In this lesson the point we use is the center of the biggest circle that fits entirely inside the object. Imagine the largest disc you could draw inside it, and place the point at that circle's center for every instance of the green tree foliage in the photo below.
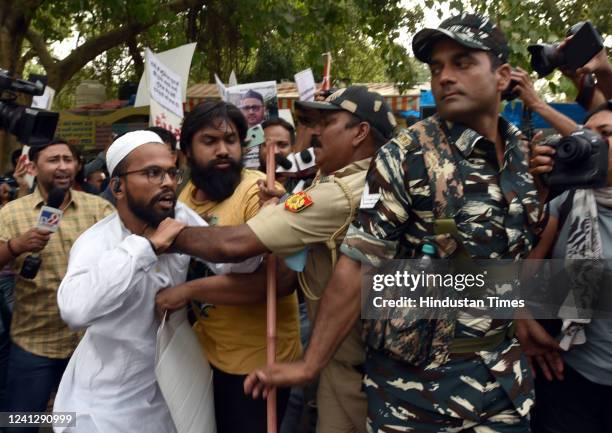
(259, 39)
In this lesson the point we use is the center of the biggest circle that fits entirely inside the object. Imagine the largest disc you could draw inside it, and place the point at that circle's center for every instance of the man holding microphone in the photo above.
(41, 342)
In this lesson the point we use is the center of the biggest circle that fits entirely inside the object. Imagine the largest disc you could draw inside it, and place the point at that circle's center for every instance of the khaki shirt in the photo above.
(36, 325)
(284, 233)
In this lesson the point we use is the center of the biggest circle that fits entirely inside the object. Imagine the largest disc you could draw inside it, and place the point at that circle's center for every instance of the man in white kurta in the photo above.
(109, 289)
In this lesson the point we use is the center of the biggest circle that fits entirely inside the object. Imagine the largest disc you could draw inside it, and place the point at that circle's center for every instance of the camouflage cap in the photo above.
(368, 106)
(469, 30)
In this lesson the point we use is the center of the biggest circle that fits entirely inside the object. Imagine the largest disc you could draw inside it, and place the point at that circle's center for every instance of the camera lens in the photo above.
(573, 149)
(545, 58)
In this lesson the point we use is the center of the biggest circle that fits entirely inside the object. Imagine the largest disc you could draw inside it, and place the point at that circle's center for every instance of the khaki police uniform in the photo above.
(318, 220)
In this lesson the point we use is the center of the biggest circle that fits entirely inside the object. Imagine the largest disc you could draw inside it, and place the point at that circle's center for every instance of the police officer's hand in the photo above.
(525, 89)
(164, 234)
(266, 194)
(32, 241)
(540, 346)
(173, 298)
(261, 381)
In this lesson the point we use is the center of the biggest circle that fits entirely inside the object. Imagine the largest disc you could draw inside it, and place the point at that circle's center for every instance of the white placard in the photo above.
(164, 85)
(306, 85)
(220, 87)
(285, 113)
(179, 59)
(45, 100)
(233, 81)
(159, 116)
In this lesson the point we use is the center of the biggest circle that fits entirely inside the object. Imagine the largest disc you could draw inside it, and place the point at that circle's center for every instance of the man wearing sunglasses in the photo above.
(114, 272)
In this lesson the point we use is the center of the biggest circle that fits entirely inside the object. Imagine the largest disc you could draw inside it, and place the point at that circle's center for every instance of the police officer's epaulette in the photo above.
(405, 140)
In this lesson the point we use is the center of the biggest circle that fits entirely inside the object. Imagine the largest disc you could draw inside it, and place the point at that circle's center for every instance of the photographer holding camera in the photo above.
(525, 92)
(580, 226)
(601, 67)
(582, 58)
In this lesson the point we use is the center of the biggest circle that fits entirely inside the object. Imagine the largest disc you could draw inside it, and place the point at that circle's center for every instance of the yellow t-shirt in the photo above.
(234, 336)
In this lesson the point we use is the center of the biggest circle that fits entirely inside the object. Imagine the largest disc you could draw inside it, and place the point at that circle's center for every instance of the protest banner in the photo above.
(305, 83)
(165, 94)
(257, 101)
(179, 59)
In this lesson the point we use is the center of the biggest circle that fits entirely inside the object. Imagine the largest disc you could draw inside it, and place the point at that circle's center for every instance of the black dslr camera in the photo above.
(12, 192)
(31, 126)
(581, 161)
(586, 42)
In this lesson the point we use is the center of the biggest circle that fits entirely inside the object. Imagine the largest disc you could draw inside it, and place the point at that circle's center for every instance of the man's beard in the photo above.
(147, 212)
(216, 184)
(48, 186)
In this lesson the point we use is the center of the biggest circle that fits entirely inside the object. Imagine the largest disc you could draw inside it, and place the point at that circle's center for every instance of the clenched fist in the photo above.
(165, 234)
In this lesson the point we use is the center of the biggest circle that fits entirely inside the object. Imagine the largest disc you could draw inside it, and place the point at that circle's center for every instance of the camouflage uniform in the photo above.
(317, 219)
(412, 380)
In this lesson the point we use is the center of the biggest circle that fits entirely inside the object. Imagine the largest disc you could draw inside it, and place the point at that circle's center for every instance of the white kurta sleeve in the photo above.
(97, 283)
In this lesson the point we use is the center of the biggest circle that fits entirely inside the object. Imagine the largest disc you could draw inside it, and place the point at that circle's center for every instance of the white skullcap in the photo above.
(125, 144)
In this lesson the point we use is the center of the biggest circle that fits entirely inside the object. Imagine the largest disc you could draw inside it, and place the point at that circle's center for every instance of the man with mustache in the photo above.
(233, 332)
(347, 128)
(456, 183)
(281, 133)
(115, 270)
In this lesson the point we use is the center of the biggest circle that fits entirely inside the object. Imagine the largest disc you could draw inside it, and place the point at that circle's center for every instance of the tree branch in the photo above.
(23, 60)
(59, 72)
(39, 45)
(136, 56)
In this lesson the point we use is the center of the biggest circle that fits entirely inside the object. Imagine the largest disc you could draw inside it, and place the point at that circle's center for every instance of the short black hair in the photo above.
(606, 106)
(496, 62)
(205, 114)
(252, 94)
(35, 150)
(166, 136)
(377, 137)
(279, 121)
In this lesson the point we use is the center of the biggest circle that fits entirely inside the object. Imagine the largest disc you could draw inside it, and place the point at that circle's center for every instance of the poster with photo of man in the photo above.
(258, 102)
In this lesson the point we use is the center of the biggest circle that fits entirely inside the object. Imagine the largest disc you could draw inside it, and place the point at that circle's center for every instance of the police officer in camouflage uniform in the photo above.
(465, 169)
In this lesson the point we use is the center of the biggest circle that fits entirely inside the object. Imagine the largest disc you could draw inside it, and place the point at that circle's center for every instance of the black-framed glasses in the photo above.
(157, 174)
(251, 107)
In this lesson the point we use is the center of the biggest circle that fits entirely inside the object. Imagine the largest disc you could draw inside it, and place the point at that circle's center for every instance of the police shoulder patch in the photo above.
(298, 202)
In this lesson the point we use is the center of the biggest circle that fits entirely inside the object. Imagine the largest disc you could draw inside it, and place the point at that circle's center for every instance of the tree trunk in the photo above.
(15, 18)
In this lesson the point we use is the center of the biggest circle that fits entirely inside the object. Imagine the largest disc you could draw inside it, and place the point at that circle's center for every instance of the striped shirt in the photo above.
(36, 325)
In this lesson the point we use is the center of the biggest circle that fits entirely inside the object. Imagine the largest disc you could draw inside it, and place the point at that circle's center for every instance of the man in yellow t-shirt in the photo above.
(233, 331)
